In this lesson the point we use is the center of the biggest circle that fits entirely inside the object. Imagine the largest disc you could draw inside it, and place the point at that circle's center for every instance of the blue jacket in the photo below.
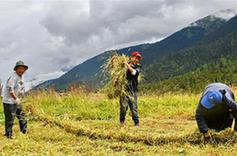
(220, 116)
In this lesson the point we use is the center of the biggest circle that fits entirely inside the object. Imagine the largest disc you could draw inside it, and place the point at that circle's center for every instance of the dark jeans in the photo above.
(131, 102)
(10, 111)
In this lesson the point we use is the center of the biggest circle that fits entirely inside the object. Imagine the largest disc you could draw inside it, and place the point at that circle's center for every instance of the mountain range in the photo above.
(203, 42)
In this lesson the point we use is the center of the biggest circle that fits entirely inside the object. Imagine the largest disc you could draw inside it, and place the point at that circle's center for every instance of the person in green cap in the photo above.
(13, 89)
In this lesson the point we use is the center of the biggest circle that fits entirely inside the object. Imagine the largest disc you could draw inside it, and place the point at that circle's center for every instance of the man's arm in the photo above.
(133, 71)
(232, 106)
(201, 122)
(13, 95)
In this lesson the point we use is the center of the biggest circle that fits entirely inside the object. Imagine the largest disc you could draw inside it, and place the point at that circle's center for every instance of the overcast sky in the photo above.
(53, 35)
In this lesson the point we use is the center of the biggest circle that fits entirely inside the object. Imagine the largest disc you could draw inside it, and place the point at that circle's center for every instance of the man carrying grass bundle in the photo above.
(216, 109)
(130, 99)
(13, 89)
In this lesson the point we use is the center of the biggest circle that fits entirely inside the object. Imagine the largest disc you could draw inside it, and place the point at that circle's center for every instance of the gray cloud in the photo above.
(51, 35)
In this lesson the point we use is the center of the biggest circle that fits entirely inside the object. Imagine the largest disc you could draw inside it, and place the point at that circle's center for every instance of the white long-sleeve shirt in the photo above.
(14, 84)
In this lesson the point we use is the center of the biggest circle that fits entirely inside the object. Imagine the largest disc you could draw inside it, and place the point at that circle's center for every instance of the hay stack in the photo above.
(116, 70)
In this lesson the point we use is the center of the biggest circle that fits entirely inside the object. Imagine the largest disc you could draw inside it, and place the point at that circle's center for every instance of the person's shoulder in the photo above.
(138, 65)
(13, 76)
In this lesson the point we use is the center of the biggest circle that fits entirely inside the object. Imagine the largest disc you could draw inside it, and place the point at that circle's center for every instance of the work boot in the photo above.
(9, 135)
(24, 131)
(122, 124)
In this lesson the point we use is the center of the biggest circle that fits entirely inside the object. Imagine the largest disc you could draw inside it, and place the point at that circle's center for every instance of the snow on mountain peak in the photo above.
(226, 14)
(223, 15)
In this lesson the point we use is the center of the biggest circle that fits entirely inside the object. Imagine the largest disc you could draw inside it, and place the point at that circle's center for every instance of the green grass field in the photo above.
(87, 124)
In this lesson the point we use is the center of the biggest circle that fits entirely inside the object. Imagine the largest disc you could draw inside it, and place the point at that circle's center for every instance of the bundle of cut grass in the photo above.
(227, 136)
(116, 70)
